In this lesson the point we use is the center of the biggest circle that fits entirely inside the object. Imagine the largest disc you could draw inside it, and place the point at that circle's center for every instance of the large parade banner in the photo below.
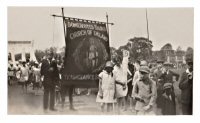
(87, 50)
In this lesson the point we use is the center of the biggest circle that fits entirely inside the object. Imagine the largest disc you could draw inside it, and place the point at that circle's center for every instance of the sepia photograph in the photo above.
(100, 61)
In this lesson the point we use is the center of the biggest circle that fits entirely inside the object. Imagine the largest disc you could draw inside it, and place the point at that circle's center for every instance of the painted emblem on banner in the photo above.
(90, 54)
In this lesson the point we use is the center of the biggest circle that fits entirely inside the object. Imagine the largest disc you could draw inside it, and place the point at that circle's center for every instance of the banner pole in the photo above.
(64, 23)
(107, 23)
(109, 58)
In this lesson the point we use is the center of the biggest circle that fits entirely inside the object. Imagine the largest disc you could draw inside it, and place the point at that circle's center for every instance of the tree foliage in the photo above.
(141, 48)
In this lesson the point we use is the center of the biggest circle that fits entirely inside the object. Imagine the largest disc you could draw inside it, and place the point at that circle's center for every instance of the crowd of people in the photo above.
(25, 74)
(45, 76)
(145, 89)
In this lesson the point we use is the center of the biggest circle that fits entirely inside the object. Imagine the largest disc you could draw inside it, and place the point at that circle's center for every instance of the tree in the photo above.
(39, 54)
(141, 48)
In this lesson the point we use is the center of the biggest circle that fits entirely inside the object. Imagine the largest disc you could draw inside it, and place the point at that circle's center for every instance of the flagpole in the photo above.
(149, 53)
(147, 25)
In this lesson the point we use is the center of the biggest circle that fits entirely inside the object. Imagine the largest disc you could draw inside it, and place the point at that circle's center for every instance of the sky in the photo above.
(166, 25)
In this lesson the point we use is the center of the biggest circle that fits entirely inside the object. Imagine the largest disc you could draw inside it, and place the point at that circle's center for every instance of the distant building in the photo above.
(21, 50)
(167, 54)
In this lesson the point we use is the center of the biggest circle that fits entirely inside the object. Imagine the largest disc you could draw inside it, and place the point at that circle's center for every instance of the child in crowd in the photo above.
(106, 94)
(36, 74)
(169, 104)
(24, 74)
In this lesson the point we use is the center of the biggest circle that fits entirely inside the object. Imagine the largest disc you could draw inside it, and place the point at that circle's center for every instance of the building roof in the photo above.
(19, 42)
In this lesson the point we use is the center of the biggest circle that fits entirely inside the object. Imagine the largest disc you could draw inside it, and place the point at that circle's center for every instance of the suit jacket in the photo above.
(45, 68)
(168, 77)
(50, 72)
(186, 87)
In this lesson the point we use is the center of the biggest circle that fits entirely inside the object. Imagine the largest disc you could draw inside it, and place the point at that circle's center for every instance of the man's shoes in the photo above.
(72, 109)
(124, 109)
(53, 109)
(45, 111)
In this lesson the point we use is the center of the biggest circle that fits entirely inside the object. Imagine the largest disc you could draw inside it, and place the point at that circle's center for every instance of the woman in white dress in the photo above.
(120, 75)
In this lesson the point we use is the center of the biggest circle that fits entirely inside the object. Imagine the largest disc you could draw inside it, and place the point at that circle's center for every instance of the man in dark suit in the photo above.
(186, 86)
(50, 73)
(168, 75)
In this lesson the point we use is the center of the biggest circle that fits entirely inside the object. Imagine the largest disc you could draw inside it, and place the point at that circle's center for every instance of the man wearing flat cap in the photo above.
(144, 93)
(186, 86)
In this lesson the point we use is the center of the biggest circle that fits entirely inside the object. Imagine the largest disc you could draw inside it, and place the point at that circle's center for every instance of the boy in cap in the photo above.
(168, 104)
(186, 86)
(144, 93)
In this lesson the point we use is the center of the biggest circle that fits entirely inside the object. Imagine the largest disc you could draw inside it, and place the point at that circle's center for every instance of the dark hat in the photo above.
(189, 61)
(160, 61)
(167, 85)
(167, 64)
(144, 69)
(23, 62)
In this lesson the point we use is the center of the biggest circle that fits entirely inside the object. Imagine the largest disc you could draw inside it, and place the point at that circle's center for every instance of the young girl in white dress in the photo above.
(106, 94)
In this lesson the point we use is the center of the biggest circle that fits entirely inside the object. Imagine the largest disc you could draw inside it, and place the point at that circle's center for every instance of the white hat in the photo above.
(109, 64)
